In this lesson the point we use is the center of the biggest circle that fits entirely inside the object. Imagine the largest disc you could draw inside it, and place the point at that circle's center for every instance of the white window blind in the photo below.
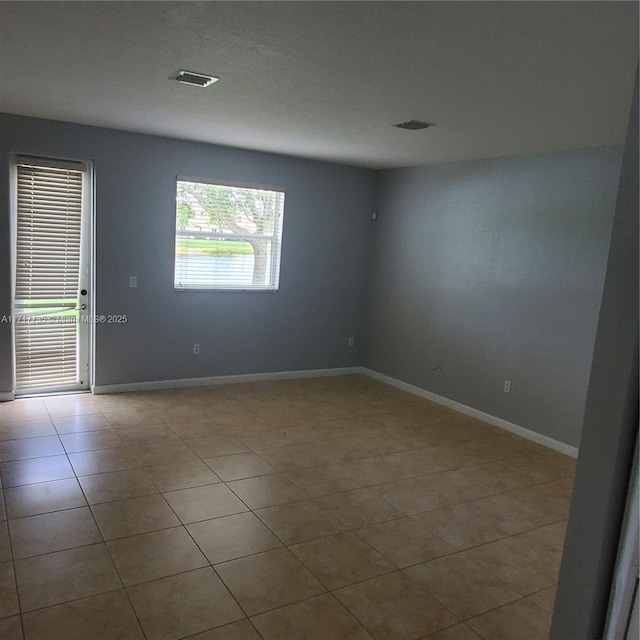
(47, 269)
(227, 237)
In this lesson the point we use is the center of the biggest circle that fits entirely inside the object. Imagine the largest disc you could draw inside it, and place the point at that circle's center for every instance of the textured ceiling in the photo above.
(327, 79)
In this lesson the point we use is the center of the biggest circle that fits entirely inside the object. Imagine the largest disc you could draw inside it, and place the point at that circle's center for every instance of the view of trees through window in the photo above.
(227, 236)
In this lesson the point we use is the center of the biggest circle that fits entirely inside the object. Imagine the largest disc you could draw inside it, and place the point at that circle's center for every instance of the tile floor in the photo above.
(332, 508)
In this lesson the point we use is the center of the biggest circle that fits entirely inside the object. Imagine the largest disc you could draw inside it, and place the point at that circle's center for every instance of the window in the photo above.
(227, 237)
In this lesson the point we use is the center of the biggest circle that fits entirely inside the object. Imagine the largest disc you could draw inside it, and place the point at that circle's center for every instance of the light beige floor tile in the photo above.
(510, 509)
(547, 540)
(457, 632)
(443, 458)
(23, 409)
(232, 537)
(238, 466)
(133, 516)
(341, 559)
(212, 447)
(118, 402)
(44, 497)
(522, 567)
(241, 630)
(107, 616)
(11, 628)
(91, 440)
(236, 421)
(489, 449)
(183, 413)
(79, 424)
(358, 508)
(190, 430)
(182, 605)
(268, 580)
(211, 394)
(35, 470)
(260, 439)
(155, 555)
(132, 417)
(204, 503)
(420, 462)
(456, 487)
(71, 405)
(266, 491)
(321, 481)
(116, 485)
(358, 447)
(404, 542)
(162, 398)
(181, 475)
(393, 607)
(498, 476)
(8, 591)
(146, 434)
(65, 575)
(462, 527)
(55, 531)
(461, 585)
(26, 448)
(291, 457)
(410, 496)
(545, 598)
(299, 521)
(318, 618)
(560, 491)
(372, 471)
(523, 620)
(26, 429)
(89, 462)
(165, 452)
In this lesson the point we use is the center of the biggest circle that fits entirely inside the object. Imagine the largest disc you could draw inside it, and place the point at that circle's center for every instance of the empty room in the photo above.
(318, 320)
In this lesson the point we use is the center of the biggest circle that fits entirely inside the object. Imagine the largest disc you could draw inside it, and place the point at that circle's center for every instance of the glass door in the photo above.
(51, 298)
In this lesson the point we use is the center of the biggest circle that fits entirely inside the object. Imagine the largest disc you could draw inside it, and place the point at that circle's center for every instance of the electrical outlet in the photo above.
(133, 281)
(352, 341)
(507, 386)
(196, 349)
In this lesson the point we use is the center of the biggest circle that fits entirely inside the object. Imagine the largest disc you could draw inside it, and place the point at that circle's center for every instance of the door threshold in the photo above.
(51, 394)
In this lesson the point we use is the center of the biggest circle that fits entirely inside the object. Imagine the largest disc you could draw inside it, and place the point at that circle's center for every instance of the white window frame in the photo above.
(275, 239)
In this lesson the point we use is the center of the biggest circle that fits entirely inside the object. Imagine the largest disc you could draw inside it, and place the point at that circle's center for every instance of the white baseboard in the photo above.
(7, 396)
(205, 382)
(556, 445)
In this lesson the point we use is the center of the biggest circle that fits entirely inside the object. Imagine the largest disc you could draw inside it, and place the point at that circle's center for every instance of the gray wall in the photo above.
(305, 325)
(610, 426)
(493, 270)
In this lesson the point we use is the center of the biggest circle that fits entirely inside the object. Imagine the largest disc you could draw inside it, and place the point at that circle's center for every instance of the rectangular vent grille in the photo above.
(193, 78)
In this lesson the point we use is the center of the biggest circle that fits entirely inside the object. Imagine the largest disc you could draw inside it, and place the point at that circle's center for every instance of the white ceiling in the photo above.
(327, 79)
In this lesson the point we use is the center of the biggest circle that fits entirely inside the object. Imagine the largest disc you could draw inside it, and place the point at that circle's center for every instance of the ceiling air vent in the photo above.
(413, 125)
(193, 78)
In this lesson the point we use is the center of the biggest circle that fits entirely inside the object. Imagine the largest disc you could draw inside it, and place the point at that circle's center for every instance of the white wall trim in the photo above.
(556, 445)
(7, 396)
(204, 382)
